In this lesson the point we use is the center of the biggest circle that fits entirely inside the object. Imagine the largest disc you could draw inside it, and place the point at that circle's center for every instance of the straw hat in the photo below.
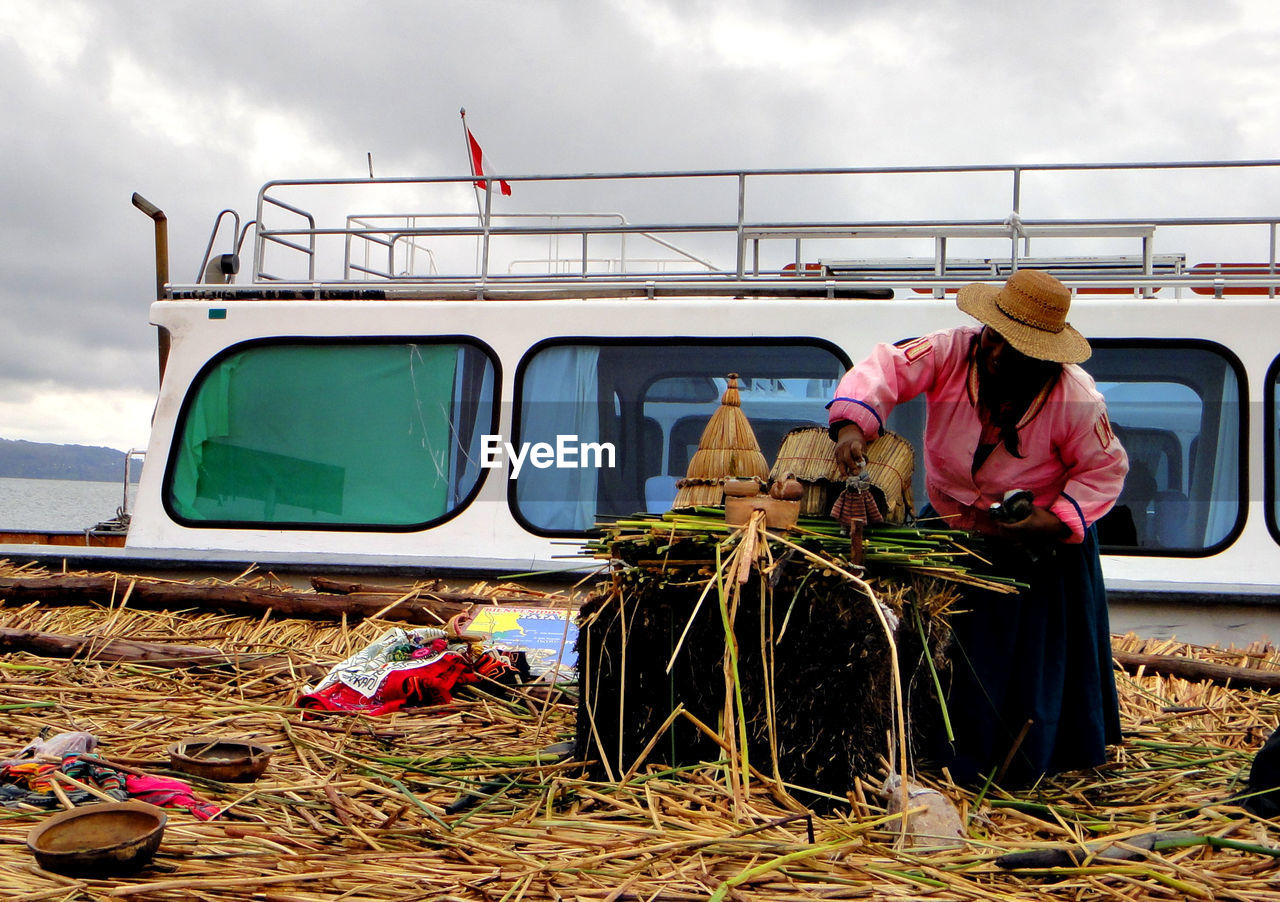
(1030, 311)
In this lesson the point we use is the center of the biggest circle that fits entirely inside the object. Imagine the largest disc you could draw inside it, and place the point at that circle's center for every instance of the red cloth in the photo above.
(166, 792)
(853, 505)
(430, 684)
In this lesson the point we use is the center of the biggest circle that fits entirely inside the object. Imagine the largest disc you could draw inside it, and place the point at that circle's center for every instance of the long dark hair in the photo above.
(1006, 400)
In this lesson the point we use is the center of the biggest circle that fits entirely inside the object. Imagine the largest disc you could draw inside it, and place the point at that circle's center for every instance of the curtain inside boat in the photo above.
(559, 398)
(380, 434)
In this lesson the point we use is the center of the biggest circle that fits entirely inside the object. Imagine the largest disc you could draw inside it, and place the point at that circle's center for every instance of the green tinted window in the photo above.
(305, 435)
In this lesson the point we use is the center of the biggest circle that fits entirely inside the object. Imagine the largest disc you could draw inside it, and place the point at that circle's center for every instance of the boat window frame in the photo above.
(1270, 451)
(522, 366)
(197, 381)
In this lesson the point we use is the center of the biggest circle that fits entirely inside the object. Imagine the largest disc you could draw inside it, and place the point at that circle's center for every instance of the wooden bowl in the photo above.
(100, 840)
(219, 758)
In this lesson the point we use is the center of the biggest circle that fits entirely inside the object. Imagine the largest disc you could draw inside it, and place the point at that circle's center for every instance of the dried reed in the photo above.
(354, 808)
(891, 461)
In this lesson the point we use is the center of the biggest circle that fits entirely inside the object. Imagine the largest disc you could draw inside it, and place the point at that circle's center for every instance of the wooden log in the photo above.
(332, 586)
(55, 645)
(1195, 669)
(152, 595)
(433, 591)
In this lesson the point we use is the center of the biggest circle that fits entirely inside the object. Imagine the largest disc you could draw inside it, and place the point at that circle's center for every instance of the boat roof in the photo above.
(832, 232)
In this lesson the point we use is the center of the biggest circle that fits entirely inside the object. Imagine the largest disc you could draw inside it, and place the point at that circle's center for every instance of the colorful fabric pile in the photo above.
(32, 782)
(30, 778)
(414, 668)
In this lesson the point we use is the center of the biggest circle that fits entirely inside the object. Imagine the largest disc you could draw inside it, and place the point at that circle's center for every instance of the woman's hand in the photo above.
(851, 450)
(1039, 527)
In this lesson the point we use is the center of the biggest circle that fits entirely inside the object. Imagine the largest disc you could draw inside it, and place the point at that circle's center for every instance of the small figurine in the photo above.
(855, 507)
(857, 502)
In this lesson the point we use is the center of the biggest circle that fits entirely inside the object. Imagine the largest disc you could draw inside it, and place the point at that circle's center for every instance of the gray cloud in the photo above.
(195, 105)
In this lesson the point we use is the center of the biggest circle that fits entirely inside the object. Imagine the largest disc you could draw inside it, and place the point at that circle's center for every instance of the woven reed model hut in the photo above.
(808, 453)
(891, 462)
(728, 449)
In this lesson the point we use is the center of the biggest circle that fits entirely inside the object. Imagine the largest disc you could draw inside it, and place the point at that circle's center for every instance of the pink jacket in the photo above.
(1072, 462)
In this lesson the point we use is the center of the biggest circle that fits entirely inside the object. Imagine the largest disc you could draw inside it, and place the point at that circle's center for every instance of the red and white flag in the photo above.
(479, 165)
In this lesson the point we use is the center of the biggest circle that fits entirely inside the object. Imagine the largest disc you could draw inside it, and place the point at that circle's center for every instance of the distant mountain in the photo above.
(38, 460)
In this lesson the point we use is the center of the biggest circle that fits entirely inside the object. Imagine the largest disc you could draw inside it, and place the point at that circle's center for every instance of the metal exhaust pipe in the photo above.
(162, 268)
(162, 241)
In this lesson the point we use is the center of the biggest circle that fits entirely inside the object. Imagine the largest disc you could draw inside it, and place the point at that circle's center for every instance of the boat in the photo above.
(108, 533)
(417, 374)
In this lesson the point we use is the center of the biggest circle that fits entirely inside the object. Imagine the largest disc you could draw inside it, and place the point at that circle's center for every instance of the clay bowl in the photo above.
(100, 840)
(216, 758)
(741, 488)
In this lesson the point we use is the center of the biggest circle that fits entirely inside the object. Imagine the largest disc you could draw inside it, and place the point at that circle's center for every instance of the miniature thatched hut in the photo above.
(728, 450)
(891, 462)
(808, 453)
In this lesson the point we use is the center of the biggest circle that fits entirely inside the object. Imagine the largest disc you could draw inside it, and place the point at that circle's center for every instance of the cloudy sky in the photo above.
(195, 105)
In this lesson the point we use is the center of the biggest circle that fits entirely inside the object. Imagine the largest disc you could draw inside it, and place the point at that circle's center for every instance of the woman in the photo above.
(1032, 687)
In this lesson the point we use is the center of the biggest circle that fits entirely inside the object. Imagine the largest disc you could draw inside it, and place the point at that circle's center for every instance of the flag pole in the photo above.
(466, 140)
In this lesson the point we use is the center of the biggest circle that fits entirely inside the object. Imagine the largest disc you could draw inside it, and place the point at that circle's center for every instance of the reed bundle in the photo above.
(796, 660)
(728, 449)
(354, 808)
(922, 550)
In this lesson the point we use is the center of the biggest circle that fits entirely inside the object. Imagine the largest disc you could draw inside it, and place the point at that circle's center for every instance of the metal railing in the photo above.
(759, 252)
(120, 522)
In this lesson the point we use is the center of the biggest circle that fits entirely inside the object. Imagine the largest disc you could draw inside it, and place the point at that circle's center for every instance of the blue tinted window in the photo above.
(1178, 409)
(650, 401)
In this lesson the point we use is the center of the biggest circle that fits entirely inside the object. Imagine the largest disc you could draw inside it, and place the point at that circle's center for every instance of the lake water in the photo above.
(58, 504)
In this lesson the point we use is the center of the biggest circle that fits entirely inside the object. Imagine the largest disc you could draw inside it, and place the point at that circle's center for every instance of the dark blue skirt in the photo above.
(1032, 687)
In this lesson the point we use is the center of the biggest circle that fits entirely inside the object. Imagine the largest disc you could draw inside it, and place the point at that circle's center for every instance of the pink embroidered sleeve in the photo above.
(1096, 466)
(892, 374)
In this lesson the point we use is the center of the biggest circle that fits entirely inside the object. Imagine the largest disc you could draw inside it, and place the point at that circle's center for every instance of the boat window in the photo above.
(381, 434)
(649, 401)
(1177, 408)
